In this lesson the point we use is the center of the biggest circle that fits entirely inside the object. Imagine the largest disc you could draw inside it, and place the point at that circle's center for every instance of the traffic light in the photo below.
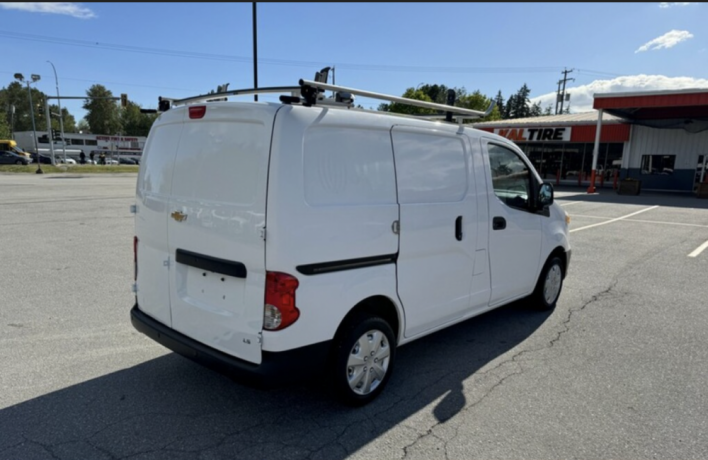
(124, 100)
(56, 135)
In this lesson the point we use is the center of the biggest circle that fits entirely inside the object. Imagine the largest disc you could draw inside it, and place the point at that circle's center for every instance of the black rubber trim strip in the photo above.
(225, 267)
(349, 264)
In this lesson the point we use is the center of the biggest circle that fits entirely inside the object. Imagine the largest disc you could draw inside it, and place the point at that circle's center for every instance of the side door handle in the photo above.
(458, 228)
(498, 223)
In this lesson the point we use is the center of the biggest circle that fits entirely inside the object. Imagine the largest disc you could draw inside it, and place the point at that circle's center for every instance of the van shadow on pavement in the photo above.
(172, 408)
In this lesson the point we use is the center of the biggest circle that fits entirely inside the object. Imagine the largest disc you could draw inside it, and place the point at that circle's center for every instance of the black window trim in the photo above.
(533, 180)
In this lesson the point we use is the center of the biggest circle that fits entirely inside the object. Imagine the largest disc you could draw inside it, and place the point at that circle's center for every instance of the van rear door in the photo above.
(216, 216)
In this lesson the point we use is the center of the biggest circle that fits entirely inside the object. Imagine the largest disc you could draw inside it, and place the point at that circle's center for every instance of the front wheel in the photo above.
(549, 285)
(18, 162)
(363, 360)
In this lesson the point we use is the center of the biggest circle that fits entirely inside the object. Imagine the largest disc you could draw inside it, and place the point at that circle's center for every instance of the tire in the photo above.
(549, 285)
(365, 339)
(18, 162)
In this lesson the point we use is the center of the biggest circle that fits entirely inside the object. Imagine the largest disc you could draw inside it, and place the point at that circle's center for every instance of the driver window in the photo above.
(511, 178)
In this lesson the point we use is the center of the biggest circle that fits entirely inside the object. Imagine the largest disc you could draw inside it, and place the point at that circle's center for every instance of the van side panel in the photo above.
(331, 209)
(153, 189)
(438, 236)
(217, 214)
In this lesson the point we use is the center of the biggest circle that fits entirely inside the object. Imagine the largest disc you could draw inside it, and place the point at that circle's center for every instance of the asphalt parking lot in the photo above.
(619, 370)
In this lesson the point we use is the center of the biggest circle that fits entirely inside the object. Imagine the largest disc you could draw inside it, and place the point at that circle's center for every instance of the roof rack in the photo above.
(311, 92)
(461, 112)
(294, 90)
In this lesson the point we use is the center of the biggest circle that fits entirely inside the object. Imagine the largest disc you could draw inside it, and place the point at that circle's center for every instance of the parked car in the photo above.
(43, 159)
(11, 158)
(127, 161)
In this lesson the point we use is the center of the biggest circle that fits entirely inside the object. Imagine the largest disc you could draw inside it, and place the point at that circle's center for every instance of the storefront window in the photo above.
(572, 161)
(658, 164)
(552, 159)
(535, 154)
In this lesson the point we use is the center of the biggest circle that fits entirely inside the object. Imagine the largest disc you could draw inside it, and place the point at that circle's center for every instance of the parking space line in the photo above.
(641, 221)
(698, 250)
(614, 220)
(572, 203)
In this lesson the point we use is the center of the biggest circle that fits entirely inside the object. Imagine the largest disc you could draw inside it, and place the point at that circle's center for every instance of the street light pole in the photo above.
(35, 78)
(61, 115)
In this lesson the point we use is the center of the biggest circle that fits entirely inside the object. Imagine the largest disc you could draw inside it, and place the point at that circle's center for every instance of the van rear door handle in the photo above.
(498, 223)
(458, 228)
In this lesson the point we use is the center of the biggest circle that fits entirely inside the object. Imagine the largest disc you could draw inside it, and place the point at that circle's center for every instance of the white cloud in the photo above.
(668, 40)
(67, 8)
(582, 96)
(670, 4)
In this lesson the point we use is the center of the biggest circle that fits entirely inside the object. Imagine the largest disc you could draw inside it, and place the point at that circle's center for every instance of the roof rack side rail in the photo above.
(235, 92)
(467, 113)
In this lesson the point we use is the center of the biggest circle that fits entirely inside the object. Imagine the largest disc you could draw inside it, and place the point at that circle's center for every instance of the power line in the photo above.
(122, 84)
(281, 62)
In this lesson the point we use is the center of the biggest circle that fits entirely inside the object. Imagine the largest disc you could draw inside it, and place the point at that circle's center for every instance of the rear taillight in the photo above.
(135, 256)
(280, 310)
(197, 112)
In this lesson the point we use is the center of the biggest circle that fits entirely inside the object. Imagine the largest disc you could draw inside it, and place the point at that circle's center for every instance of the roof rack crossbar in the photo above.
(402, 100)
(235, 92)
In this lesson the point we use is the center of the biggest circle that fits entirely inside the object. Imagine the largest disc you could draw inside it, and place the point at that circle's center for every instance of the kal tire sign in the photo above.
(535, 134)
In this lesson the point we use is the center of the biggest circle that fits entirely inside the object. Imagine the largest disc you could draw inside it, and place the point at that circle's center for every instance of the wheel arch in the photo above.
(377, 305)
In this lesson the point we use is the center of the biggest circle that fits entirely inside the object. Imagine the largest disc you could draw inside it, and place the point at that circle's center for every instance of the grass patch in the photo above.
(73, 169)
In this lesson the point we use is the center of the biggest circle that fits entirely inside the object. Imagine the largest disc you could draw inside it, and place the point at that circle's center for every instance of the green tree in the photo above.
(518, 105)
(102, 115)
(548, 110)
(67, 118)
(4, 129)
(478, 101)
(83, 126)
(499, 100)
(15, 94)
(509, 107)
(411, 93)
(135, 123)
(536, 110)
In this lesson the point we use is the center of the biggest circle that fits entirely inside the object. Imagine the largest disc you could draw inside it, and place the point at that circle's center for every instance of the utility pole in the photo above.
(558, 95)
(565, 78)
(255, 53)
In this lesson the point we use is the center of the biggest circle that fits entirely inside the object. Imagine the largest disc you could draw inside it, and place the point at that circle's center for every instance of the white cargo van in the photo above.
(276, 241)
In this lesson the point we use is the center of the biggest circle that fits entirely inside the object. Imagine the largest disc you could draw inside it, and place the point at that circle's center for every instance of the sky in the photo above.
(147, 50)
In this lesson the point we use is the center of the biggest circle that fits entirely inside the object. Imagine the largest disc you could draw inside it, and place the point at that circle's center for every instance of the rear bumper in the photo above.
(275, 368)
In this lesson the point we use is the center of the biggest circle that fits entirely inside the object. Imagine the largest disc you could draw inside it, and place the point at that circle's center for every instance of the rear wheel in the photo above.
(363, 360)
(549, 285)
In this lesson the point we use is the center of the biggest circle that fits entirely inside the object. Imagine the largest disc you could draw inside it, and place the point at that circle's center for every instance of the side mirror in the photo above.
(545, 195)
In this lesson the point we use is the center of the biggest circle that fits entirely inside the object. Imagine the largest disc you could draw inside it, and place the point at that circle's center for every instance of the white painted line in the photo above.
(572, 203)
(613, 220)
(583, 216)
(698, 250)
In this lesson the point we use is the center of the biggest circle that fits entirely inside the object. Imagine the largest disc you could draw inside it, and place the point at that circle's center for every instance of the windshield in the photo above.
(16, 150)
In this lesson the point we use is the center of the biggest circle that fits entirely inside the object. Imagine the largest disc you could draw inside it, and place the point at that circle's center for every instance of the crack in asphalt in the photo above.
(5, 449)
(514, 360)
(46, 447)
